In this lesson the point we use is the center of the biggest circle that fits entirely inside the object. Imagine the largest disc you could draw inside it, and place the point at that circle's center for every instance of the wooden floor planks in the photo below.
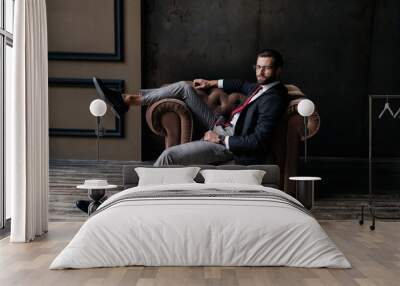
(375, 256)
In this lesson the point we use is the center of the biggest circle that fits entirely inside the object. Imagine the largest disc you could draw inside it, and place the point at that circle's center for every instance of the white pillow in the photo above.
(248, 177)
(164, 176)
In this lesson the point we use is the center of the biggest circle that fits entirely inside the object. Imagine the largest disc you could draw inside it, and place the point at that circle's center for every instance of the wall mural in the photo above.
(336, 53)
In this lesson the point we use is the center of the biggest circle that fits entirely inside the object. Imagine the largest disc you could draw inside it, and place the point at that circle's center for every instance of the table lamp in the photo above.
(305, 108)
(98, 108)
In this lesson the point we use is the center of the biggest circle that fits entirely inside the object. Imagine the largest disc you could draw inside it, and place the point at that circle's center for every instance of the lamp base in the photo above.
(100, 131)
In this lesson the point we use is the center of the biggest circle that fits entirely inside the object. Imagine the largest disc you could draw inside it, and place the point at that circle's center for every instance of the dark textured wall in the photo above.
(337, 52)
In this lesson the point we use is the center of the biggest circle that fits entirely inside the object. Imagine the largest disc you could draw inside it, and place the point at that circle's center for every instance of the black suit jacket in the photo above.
(251, 141)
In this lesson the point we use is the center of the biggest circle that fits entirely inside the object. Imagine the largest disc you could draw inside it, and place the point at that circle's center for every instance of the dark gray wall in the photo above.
(337, 52)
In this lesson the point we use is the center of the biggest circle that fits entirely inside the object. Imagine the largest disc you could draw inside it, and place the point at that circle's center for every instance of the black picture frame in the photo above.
(118, 43)
(118, 85)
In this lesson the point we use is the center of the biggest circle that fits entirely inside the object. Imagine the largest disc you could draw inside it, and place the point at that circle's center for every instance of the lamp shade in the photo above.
(305, 107)
(98, 107)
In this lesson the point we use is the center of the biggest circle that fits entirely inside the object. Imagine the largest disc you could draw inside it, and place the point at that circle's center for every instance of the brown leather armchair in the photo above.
(173, 120)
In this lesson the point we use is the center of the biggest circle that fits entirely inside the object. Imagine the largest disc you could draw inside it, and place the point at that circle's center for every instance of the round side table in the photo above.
(95, 194)
(305, 190)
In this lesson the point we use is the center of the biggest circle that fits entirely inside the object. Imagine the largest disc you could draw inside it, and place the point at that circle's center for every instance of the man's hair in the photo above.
(277, 56)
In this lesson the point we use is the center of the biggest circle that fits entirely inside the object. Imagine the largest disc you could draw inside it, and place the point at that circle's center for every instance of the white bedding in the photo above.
(182, 231)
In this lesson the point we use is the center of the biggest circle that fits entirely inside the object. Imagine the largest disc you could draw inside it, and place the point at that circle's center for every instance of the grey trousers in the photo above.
(196, 152)
(184, 91)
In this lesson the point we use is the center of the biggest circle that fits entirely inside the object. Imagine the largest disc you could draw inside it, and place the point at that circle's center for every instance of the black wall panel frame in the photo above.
(117, 131)
(118, 43)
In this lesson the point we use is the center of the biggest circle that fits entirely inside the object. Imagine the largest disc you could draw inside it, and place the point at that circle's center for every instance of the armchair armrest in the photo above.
(172, 119)
(314, 120)
(313, 123)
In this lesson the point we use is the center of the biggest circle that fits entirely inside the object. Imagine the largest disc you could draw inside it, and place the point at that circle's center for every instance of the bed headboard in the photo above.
(270, 179)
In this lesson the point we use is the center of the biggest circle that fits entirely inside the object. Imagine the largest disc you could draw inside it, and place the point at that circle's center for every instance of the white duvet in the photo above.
(219, 231)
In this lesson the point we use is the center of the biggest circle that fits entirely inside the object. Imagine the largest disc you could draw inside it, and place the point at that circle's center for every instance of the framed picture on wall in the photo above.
(69, 100)
(85, 30)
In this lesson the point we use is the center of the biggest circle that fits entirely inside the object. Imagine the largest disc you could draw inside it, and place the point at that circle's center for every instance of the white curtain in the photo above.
(27, 141)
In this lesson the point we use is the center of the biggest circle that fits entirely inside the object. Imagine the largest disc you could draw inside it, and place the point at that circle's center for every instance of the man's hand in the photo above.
(204, 84)
(211, 136)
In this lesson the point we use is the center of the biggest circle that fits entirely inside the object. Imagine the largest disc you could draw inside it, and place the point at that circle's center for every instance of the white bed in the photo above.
(245, 225)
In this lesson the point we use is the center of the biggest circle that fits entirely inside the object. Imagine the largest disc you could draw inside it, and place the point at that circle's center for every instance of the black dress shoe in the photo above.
(83, 205)
(112, 97)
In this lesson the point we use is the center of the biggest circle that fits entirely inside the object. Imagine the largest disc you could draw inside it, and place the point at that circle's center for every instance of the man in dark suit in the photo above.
(244, 136)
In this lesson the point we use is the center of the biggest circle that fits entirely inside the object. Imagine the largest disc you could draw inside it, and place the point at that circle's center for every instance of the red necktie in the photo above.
(243, 105)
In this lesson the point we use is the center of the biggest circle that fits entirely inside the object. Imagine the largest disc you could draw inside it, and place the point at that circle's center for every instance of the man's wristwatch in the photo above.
(221, 139)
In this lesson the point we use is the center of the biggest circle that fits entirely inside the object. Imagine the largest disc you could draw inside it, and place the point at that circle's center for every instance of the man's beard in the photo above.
(266, 81)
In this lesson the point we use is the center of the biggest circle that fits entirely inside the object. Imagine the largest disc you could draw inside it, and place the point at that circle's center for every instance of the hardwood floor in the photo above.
(375, 257)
